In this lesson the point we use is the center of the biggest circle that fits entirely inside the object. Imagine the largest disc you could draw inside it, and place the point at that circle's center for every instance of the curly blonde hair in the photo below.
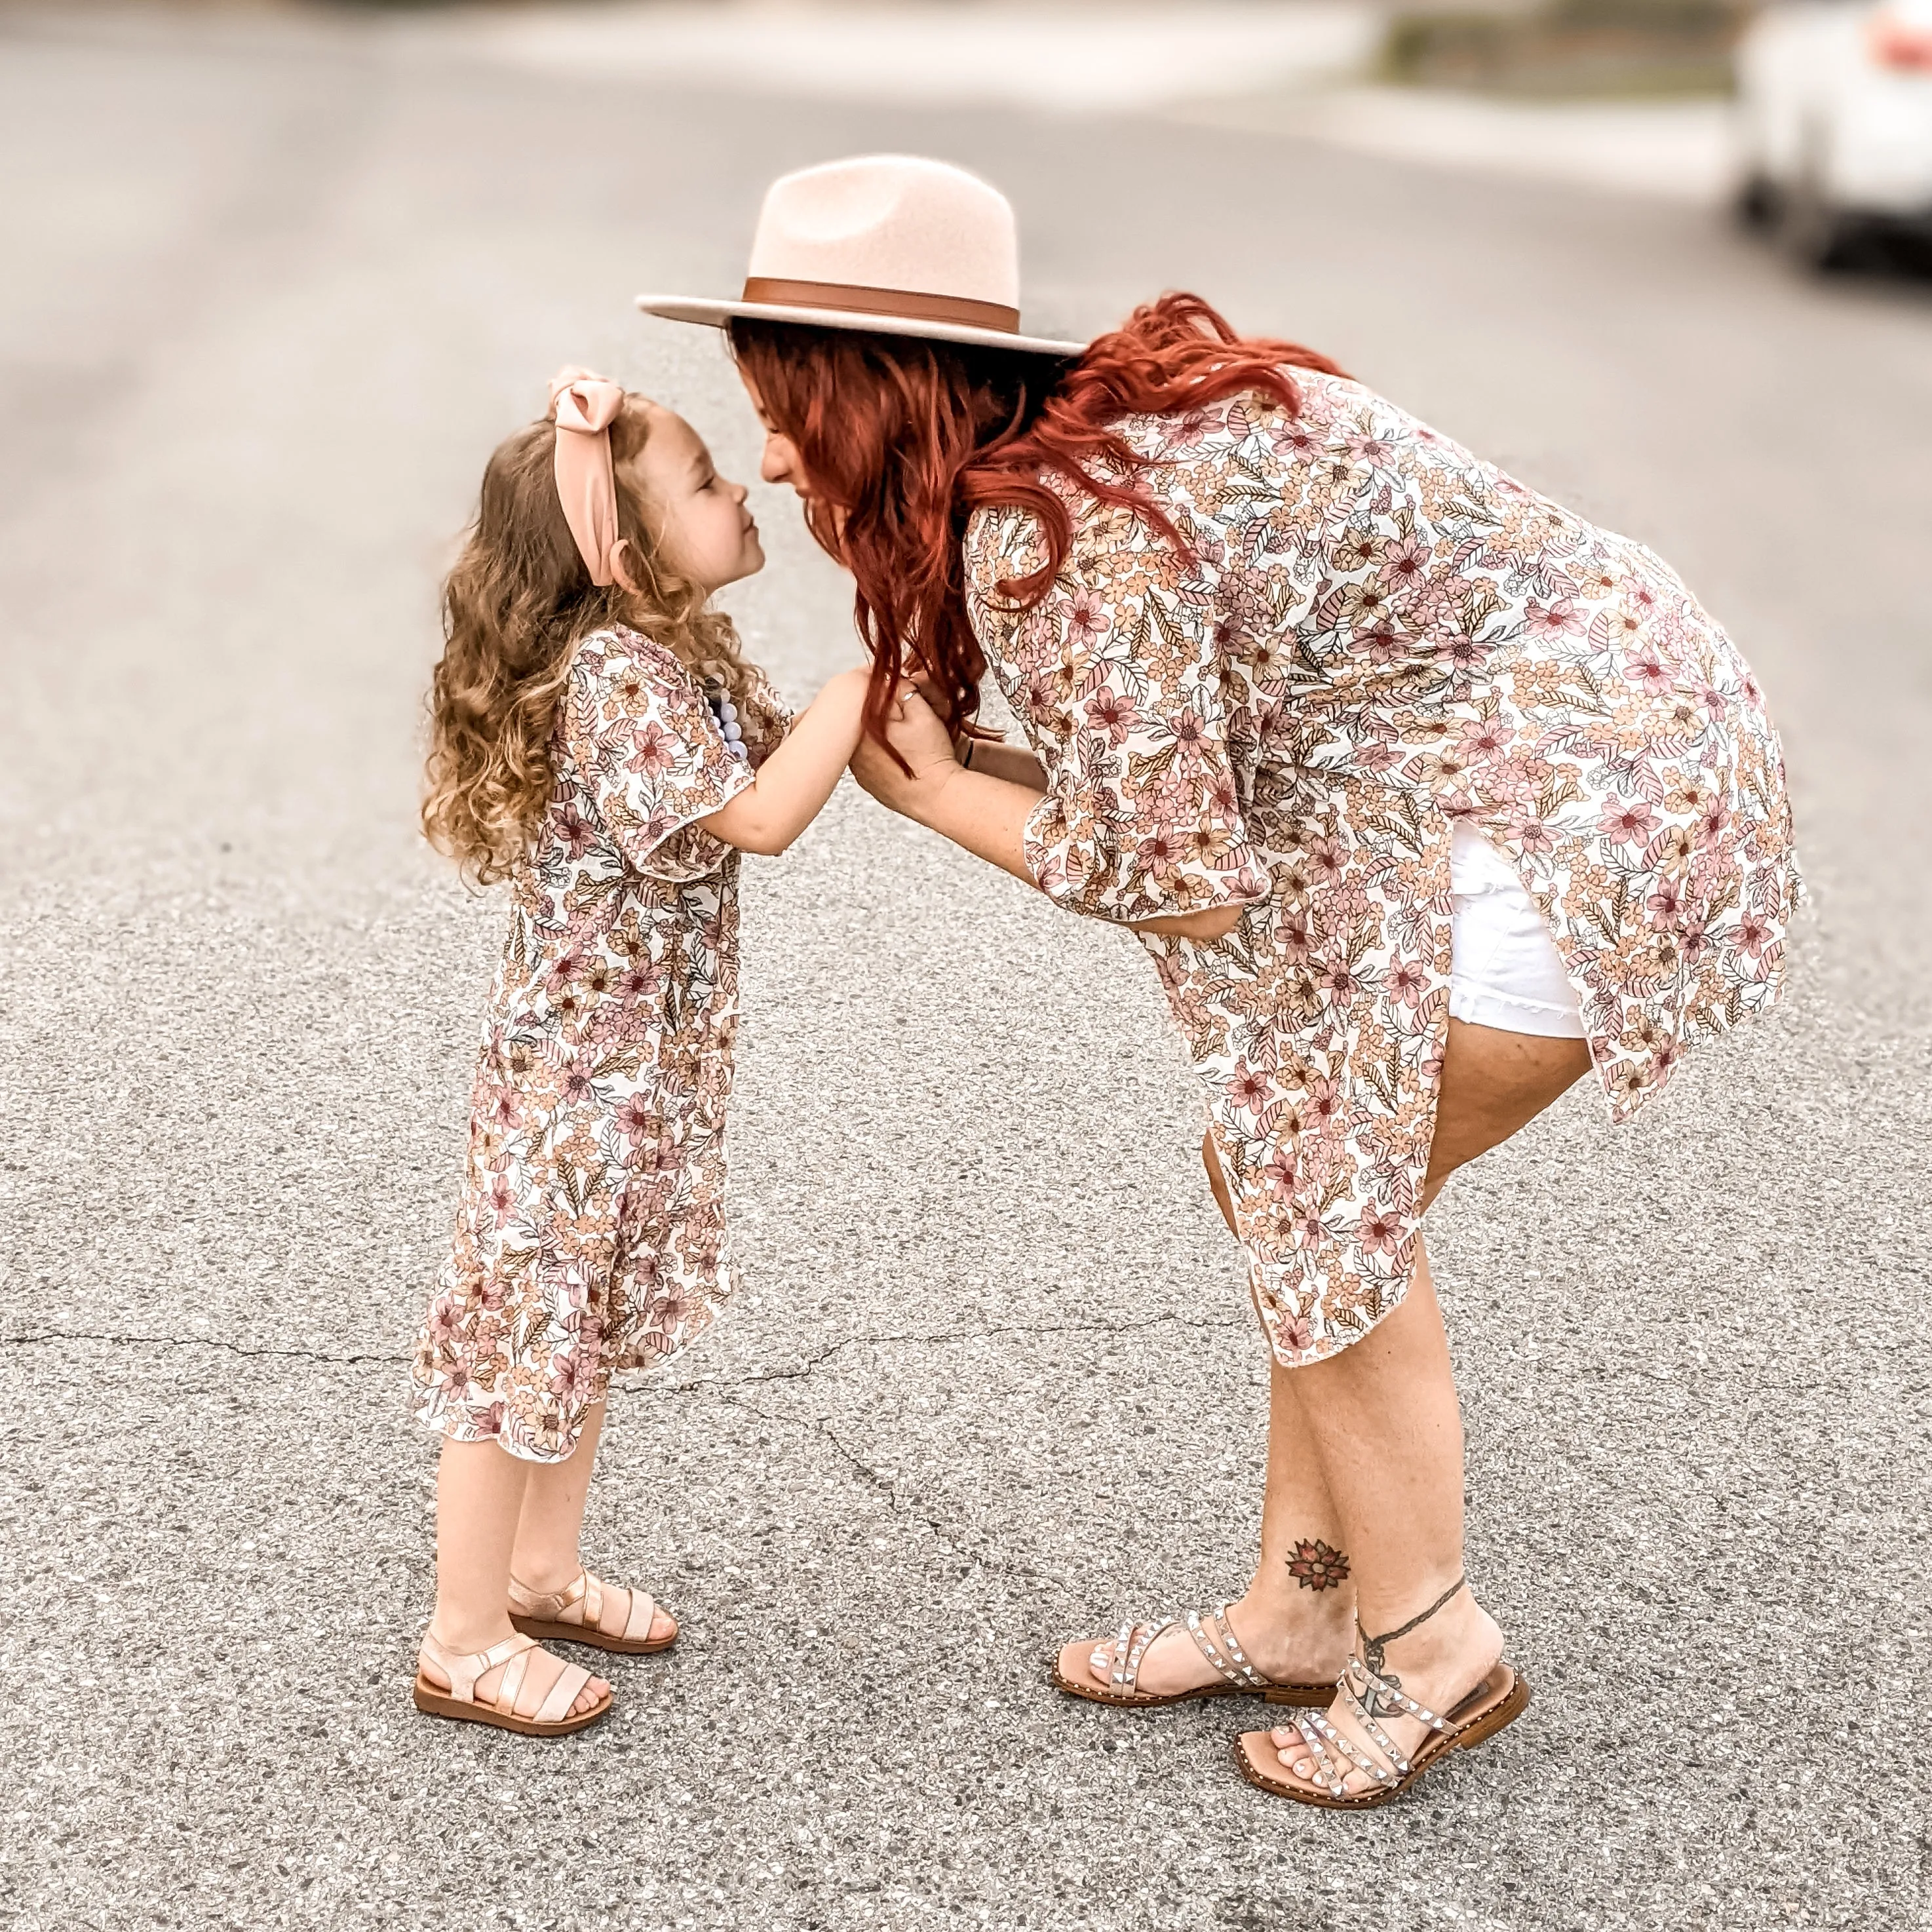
(514, 607)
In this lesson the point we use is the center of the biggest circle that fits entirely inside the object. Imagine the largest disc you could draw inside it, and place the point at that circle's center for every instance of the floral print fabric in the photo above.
(590, 1237)
(1377, 634)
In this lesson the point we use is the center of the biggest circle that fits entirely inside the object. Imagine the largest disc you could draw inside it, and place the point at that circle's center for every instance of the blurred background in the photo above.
(273, 280)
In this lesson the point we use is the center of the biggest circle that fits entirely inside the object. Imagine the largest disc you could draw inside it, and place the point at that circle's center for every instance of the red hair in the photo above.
(902, 439)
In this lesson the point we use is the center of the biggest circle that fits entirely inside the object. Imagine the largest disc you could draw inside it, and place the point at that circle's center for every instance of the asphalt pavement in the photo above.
(271, 291)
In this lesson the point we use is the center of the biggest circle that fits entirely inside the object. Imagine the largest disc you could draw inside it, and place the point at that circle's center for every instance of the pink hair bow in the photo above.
(583, 406)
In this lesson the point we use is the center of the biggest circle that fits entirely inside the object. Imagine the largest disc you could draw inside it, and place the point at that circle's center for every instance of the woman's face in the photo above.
(781, 464)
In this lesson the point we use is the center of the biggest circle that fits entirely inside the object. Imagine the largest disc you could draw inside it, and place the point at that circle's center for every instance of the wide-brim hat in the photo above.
(894, 244)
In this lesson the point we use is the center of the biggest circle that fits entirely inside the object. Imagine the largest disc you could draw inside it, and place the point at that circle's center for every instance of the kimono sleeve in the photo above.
(647, 747)
(1142, 818)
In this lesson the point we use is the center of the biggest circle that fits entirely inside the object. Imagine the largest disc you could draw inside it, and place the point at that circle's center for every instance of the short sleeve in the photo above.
(1119, 680)
(648, 748)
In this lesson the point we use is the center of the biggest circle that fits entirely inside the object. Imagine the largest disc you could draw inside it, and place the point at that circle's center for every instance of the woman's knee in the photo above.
(1494, 1084)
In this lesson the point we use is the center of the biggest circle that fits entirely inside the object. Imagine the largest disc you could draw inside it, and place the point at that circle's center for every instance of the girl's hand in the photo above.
(915, 731)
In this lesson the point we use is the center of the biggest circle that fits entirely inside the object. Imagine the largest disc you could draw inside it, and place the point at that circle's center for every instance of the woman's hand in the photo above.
(916, 732)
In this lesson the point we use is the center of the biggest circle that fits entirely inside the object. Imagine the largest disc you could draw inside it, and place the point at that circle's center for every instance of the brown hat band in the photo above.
(908, 303)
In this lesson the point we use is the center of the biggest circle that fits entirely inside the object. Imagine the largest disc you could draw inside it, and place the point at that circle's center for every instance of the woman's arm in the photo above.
(790, 787)
(1013, 763)
(984, 813)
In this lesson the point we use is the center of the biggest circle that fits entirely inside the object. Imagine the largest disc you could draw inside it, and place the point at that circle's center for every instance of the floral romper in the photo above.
(590, 1237)
(1376, 635)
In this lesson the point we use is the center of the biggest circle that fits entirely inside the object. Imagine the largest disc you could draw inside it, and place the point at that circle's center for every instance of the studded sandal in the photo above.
(1215, 1637)
(552, 1718)
(1499, 1699)
(539, 1613)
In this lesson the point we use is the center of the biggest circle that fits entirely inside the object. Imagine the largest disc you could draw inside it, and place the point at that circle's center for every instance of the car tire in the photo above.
(1758, 204)
(1814, 233)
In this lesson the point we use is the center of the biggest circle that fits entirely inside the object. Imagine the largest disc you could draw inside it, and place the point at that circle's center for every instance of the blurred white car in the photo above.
(1835, 103)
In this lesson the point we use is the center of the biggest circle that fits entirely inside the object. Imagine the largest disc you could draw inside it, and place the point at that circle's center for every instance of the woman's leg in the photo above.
(1387, 1430)
(545, 1556)
(480, 1493)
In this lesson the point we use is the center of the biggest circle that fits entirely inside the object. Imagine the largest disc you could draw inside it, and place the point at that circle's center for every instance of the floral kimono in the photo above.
(1377, 634)
(590, 1237)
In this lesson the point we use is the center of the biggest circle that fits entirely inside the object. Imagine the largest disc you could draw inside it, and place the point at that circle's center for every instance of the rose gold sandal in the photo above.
(553, 1718)
(1215, 1636)
(539, 1613)
(1363, 1693)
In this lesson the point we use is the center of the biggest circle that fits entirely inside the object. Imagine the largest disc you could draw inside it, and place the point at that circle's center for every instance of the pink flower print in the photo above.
(1753, 933)
(1382, 1233)
(1249, 1089)
(1087, 618)
(572, 1374)
(653, 749)
(1460, 652)
(1110, 715)
(1292, 1331)
(635, 1118)
(1309, 1230)
(1366, 446)
(503, 1198)
(1279, 1171)
(1383, 642)
(1186, 432)
(1341, 982)
(1648, 669)
(1190, 734)
(1325, 1101)
(1405, 560)
(575, 1087)
(1629, 822)
(574, 831)
(1535, 837)
(1665, 905)
(1407, 982)
(1326, 859)
(1714, 823)
(1484, 739)
(1557, 618)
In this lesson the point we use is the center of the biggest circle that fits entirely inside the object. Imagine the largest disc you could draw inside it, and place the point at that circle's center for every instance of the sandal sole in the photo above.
(434, 1703)
(1306, 1696)
(1510, 1706)
(595, 1639)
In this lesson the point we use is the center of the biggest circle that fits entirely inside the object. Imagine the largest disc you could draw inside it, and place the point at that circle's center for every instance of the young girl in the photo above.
(598, 740)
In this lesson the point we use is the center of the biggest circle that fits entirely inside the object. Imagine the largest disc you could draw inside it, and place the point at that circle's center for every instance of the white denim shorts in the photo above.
(1506, 971)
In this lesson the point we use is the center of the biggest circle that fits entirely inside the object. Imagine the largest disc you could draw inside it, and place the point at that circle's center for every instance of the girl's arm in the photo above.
(984, 813)
(790, 789)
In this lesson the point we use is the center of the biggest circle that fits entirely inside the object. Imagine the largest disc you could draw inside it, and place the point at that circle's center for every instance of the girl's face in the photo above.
(698, 521)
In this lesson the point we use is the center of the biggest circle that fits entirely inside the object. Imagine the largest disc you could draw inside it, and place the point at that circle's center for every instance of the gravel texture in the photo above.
(271, 292)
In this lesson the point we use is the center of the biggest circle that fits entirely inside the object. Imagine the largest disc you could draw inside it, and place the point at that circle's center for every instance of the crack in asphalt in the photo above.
(812, 1363)
(908, 1504)
(48, 1337)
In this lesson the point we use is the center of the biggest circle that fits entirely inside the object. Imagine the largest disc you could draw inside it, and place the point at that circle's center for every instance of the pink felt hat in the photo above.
(892, 243)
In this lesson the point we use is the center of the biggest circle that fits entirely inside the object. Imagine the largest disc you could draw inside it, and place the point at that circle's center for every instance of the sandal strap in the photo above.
(593, 1595)
(1223, 1649)
(1382, 1695)
(1129, 1646)
(556, 1707)
(1318, 1733)
(510, 1686)
(463, 1668)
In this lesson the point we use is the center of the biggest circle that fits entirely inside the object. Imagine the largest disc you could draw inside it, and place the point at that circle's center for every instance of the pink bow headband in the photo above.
(583, 406)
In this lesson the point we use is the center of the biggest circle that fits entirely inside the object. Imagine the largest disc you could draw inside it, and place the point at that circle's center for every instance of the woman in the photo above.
(1425, 797)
